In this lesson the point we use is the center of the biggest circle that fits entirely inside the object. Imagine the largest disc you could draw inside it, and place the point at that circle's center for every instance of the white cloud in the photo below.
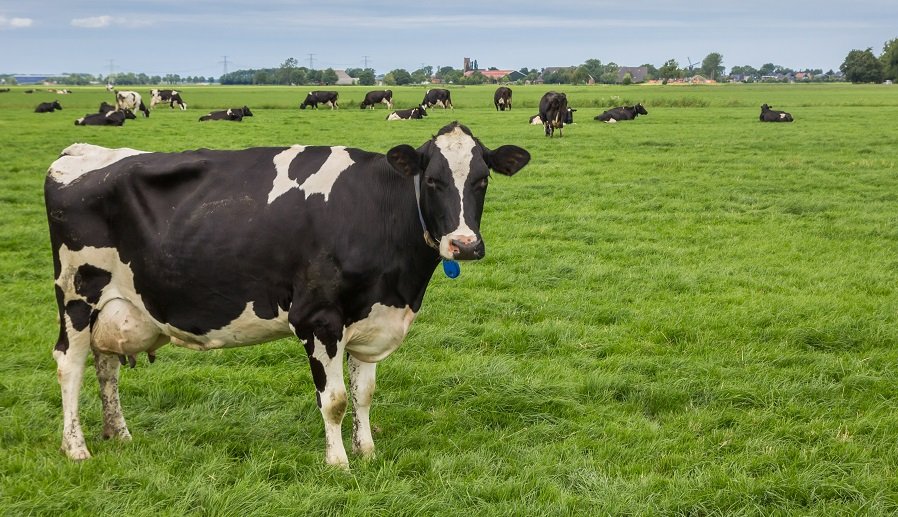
(93, 22)
(15, 23)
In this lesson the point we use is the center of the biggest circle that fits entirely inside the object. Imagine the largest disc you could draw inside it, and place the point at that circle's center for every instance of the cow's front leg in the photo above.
(361, 382)
(107, 366)
(326, 363)
(70, 361)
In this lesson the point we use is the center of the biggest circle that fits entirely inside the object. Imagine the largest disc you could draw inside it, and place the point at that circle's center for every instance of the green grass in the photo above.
(693, 313)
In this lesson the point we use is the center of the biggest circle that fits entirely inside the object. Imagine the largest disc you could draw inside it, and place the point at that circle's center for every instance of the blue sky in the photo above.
(191, 37)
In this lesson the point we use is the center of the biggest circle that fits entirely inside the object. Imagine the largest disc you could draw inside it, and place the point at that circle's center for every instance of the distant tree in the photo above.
(329, 76)
(628, 79)
(492, 68)
(581, 75)
(399, 76)
(475, 78)
(261, 77)
(447, 74)
(889, 60)
(354, 72)
(767, 69)
(422, 75)
(651, 71)
(669, 70)
(366, 77)
(594, 68)
(285, 72)
(475, 65)
(609, 76)
(748, 71)
(861, 66)
(712, 66)
(313, 77)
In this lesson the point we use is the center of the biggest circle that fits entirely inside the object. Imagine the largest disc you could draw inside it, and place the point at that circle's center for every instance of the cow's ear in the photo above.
(406, 160)
(507, 159)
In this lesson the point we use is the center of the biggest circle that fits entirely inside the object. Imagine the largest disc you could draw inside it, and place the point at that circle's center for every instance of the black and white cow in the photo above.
(378, 97)
(771, 115)
(437, 97)
(333, 245)
(553, 111)
(502, 98)
(105, 107)
(130, 100)
(535, 120)
(47, 107)
(172, 97)
(317, 97)
(621, 113)
(417, 112)
(233, 114)
(109, 118)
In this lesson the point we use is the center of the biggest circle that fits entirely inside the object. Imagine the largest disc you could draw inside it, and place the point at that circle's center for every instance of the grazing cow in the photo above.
(535, 120)
(417, 112)
(233, 114)
(105, 107)
(437, 97)
(622, 113)
(770, 115)
(172, 97)
(378, 97)
(502, 98)
(47, 107)
(317, 97)
(333, 245)
(130, 100)
(4, 90)
(109, 118)
(553, 111)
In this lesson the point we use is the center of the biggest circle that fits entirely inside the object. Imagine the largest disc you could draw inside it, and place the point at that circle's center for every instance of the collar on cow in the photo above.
(427, 237)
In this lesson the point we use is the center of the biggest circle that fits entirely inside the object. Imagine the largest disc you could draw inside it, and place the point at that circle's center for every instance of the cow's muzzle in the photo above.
(467, 248)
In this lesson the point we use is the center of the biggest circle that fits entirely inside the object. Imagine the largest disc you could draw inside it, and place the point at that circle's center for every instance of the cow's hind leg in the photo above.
(107, 366)
(361, 382)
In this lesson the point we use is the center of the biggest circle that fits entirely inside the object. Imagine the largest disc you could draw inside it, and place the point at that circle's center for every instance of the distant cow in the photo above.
(172, 97)
(47, 107)
(502, 98)
(418, 112)
(622, 113)
(378, 97)
(437, 97)
(130, 100)
(4, 90)
(110, 118)
(317, 97)
(535, 120)
(769, 115)
(553, 111)
(233, 114)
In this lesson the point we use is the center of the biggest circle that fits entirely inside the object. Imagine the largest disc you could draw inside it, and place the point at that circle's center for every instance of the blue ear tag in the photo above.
(451, 268)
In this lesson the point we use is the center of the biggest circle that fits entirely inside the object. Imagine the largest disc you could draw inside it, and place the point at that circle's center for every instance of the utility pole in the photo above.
(311, 61)
(366, 60)
(224, 62)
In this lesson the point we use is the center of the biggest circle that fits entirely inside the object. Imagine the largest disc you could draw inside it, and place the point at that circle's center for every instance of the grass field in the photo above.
(692, 314)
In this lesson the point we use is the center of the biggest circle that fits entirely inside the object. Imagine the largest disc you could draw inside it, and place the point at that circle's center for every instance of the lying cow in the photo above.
(437, 97)
(109, 118)
(105, 107)
(172, 97)
(233, 114)
(417, 112)
(622, 113)
(317, 97)
(333, 245)
(502, 98)
(47, 107)
(535, 120)
(130, 100)
(378, 97)
(770, 115)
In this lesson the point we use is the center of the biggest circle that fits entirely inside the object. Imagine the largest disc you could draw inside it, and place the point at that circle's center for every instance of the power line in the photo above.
(225, 63)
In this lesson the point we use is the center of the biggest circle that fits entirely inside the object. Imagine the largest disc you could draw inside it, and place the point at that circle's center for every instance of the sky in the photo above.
(197, 37)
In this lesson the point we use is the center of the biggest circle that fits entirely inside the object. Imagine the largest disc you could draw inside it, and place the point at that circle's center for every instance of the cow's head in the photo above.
(765, 107)
(453, 169)
(128, 114)
(641, 109)
(247, 112)
(56, 105)
(307, 102)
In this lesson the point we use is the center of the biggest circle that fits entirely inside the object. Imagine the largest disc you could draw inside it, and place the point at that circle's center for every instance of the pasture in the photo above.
(691, 313)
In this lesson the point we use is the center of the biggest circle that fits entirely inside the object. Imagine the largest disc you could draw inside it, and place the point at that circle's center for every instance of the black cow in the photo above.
(437, 97)
(233, 114)
(172, 97)
(770, 115)
(317, 97)
(535, 120)
(502, 98)
(109, 118)
(553, 111)
(130, 100)
(4, 90)
(333, 245)
(417, 112)
(378, 97)
(47, 107)
(105, 107)
(622, 113)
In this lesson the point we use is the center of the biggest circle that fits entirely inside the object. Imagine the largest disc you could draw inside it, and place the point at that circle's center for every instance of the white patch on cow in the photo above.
(394, 116)
(611, 121)
(458, 149)
(782, 115)
(501, 100)
(330, 103)
(380, 334)
(536, 120)
(323, 180)
(79, 159)
(245, 329)
(282, 181)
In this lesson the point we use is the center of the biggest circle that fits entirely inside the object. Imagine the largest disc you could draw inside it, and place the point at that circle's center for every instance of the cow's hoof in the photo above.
(366, 451)
(78, 454)
(122, 435)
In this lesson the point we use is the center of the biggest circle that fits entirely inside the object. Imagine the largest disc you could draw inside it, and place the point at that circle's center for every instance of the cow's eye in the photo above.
(482, 183)
(430, 181)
